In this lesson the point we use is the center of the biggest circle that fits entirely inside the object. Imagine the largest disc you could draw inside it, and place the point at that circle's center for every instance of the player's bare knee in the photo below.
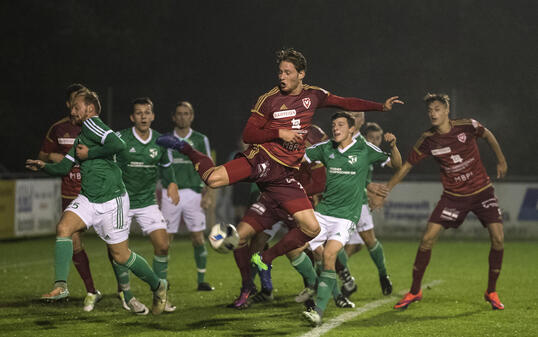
(161, 249)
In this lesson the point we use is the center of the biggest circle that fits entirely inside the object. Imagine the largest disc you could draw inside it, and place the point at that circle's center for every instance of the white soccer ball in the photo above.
(224, 238)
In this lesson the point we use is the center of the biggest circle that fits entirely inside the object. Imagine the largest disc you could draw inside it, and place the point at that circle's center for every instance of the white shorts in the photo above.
(188, 208)
(366, 222)
(149, 218)
(332, 228)
(108, 219)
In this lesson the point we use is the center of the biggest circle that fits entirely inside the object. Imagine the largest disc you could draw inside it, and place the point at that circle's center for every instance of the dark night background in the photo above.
(220, 56)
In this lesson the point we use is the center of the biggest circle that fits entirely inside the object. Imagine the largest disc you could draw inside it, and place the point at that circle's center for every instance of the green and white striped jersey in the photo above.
(101, 176)
(347, 171)
(138, 162)
(186, 175)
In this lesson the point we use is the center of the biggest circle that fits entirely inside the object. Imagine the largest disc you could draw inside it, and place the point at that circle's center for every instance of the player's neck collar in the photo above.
(140, 138)
(353, 141)
(186, 137)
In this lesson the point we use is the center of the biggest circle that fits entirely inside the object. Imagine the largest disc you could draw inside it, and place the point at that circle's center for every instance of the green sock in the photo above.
(342, 258)
(327, 281)
(122, 276)
(336, 290)
(303, 265)
(318, 266)
(160, 266)
(376, 253)
(200, 257)
(140, 267)
(63, 253)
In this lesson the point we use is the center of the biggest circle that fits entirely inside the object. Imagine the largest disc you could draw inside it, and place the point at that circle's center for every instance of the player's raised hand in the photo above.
(82, 152)
(292, 136)
(390, 138)
(390, 102)
(502, 168)
(34, 165)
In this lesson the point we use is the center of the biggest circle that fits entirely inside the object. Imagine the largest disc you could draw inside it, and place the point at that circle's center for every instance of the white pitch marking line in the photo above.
(337, 321)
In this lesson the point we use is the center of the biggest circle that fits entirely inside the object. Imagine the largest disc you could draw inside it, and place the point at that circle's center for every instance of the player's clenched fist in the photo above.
(34, 165)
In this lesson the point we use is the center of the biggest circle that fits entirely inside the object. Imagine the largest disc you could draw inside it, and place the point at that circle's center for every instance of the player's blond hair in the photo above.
(90, 98)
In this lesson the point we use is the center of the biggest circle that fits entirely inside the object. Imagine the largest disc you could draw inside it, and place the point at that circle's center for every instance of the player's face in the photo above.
(183, 117)
(142, 117)
(341, 130)
(290, 79)
(438, 113)
(359, 119)
(79, 110)
(374, 137)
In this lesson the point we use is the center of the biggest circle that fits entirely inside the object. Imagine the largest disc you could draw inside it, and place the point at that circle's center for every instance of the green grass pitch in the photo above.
(452, 307)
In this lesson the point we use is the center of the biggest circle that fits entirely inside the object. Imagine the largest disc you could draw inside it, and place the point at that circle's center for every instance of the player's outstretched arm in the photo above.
(395, 156)
(377, 200)
(56, 169)
(502, 166)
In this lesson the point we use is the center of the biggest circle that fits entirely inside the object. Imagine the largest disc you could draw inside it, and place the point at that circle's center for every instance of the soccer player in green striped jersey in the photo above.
(347, 161)
(195, 196)
(140, 162)
(102, 203)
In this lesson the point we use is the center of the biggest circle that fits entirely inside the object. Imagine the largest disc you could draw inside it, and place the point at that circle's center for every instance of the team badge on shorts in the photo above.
(307, 102)
(462, 137)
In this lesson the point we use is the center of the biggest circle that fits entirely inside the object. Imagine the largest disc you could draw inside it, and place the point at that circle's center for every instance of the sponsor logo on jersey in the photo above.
(443, 150)
(307, 102)
(258, 208)
(462, 137)
(284, 114)
(132, 150)
(153, 152)
(66, 141)
(296, 123)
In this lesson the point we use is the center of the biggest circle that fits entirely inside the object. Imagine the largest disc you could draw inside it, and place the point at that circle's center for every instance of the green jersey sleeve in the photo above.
(315, 153)
(63, 167)
(375, 154)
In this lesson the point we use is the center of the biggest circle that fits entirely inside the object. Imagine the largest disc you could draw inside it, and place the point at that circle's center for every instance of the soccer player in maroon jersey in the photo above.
(275, 132)
(467, 187)
(57, 143)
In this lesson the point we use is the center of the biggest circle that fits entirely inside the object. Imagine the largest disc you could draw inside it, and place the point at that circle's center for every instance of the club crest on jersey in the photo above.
(352, 159)
(462, 137)
(153, 152)
(307, 102)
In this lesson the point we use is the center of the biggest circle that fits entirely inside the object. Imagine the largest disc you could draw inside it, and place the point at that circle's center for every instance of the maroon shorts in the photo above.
(451, 210)
(264, 213)
(275, 180)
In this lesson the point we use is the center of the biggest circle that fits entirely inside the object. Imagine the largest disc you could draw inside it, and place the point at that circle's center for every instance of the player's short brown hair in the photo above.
(443, 98)
(74, 87)
(346, 115)
(186, 104)
(293, 56)
(143, 100)
(90, 97)
(372, 127)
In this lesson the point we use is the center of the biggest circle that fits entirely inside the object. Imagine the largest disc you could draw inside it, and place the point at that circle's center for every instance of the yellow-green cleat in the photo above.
(257, 260)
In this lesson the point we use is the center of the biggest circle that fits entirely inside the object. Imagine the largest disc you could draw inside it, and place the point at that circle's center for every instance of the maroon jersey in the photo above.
(292, 113)
(60, 139)
(462, 171)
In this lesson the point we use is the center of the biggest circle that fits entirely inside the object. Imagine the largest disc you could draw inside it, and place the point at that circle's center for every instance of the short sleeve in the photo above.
(314, 153)
(375, 154)
(478, 128)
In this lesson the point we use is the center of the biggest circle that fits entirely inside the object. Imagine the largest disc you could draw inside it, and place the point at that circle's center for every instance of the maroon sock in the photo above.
(111, 259)
(81, 262)
(202, 163)
(295, 238)
(421, 262)
(495, 263)
(242, 259)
